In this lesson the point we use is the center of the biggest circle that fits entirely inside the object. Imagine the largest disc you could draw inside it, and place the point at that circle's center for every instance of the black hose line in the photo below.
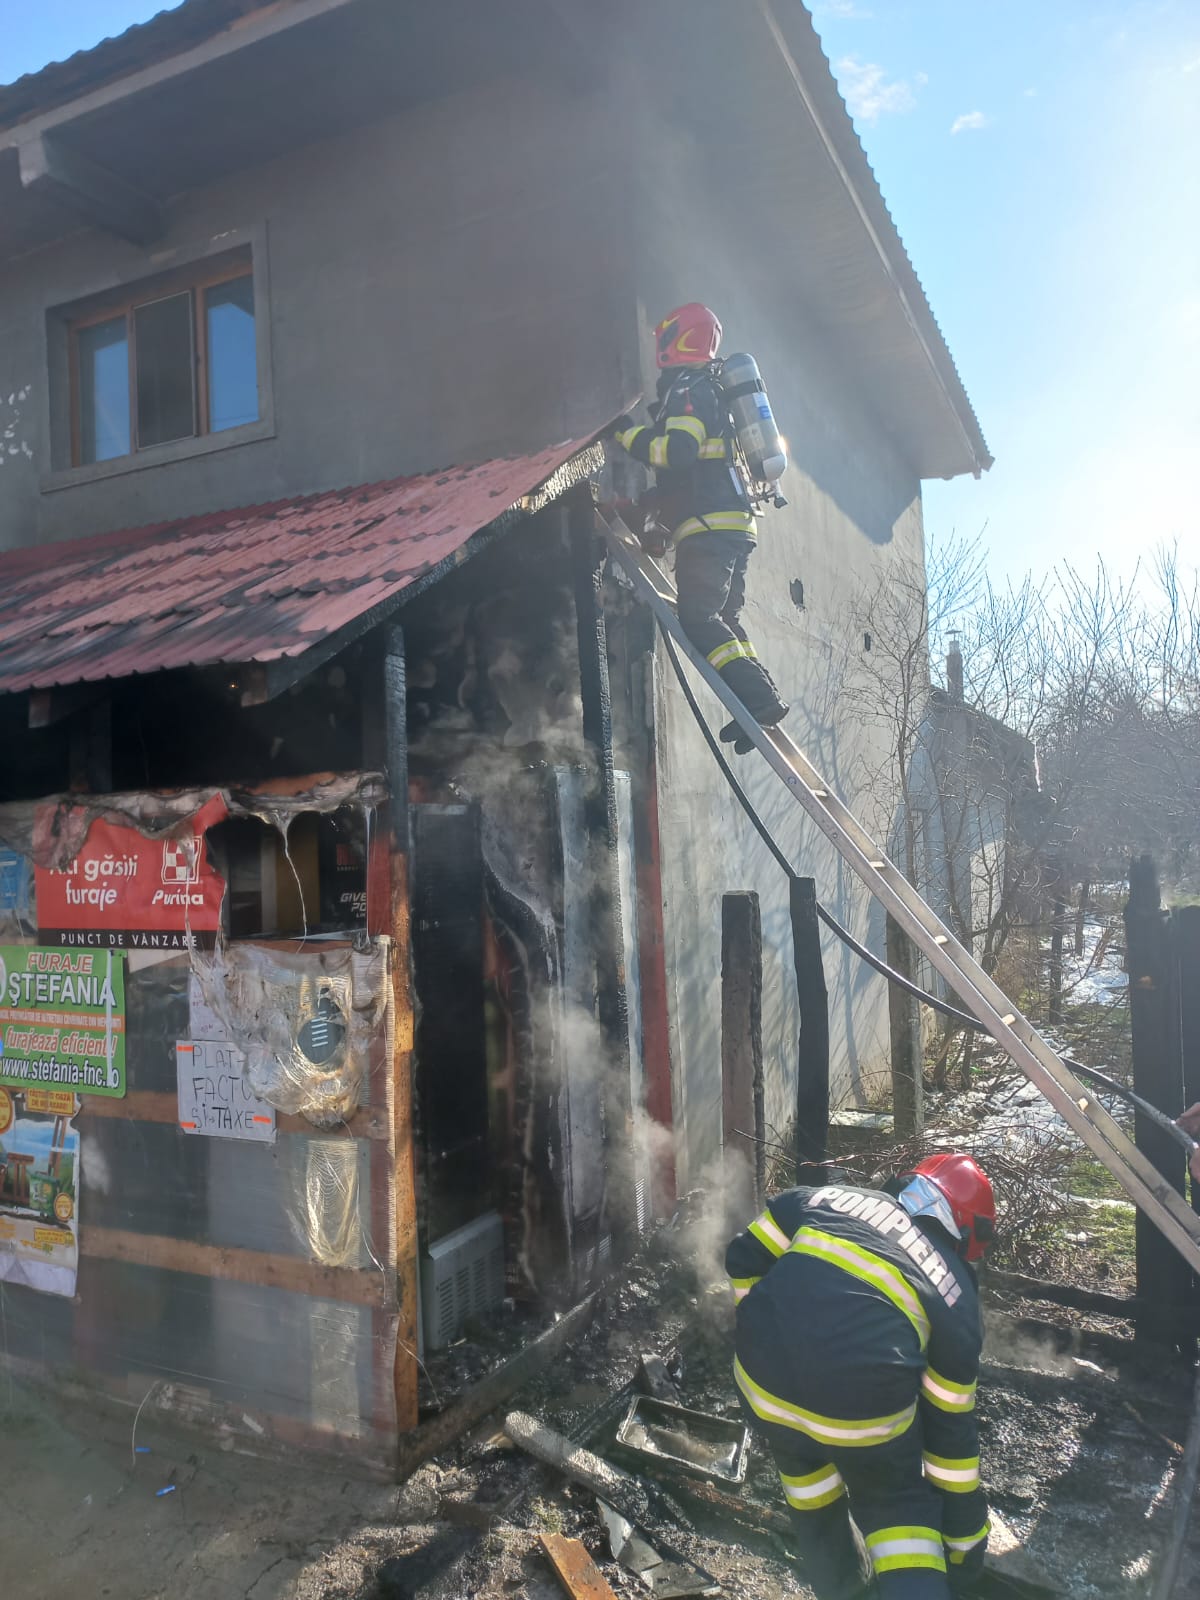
(934, 1002)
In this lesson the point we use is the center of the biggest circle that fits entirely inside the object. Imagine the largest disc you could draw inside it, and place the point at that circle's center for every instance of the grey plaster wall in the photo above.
(854, 516)
(443, 286)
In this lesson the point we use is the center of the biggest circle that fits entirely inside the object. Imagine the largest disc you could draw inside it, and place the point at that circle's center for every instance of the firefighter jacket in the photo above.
(856, 1322)
(690, 447)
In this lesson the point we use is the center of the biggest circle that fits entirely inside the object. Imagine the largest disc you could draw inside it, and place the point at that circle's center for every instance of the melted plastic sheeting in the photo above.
(262, 1363)
(51, 831)
(326, 1214)
(305, 1022)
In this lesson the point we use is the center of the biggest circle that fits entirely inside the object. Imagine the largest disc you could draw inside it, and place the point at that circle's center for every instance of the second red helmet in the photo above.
(965, 1187)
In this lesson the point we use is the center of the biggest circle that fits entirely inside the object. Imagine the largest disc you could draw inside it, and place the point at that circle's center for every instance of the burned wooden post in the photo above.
(741, 1054)
(908, 1083)
(404, 1200)
(1164, 1282)
(601, 812)
(641, 635)
(1185, 930)
(1185, 927)
(812, 1077)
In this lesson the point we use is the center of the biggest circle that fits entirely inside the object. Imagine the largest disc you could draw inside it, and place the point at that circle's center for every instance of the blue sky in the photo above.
(1057, 233)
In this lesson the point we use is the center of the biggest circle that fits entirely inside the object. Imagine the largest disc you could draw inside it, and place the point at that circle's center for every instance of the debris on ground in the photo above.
(1081, 1442)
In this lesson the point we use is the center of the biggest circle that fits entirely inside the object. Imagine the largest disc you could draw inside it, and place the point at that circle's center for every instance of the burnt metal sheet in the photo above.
(249, 585)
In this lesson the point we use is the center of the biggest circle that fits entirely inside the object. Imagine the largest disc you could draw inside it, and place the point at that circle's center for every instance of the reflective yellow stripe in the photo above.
(945, 1394)
(868, 1268)
(892, 1549)
(712, 450)
(732, 650)
(820, 1488)
(742, 1286)
(954, 1476)
(766, 1230)
(691, 425)
(749, 651)
(626, 438)
(717, 522)
(848, 1432)
(658, 450)
(960, 1549)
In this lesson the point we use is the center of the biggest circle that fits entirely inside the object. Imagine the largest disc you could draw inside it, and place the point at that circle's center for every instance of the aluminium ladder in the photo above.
(985, 1000)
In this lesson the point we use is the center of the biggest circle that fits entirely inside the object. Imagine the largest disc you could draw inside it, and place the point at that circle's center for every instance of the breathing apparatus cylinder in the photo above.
(758, 435)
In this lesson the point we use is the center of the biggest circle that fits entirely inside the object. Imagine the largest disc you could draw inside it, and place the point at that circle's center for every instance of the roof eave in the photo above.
(797, 42)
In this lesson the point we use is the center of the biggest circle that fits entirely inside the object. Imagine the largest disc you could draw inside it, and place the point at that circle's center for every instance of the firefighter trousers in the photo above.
(897, 1510)
(710, 577)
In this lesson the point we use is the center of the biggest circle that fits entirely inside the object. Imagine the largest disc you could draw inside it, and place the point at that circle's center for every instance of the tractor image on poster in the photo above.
(46, 1190)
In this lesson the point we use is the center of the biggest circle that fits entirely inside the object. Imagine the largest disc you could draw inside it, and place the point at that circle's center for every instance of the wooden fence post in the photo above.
(908, 1083)
(1164, 1282)
(812, 1075)
(1185, 922)
(741, 1055)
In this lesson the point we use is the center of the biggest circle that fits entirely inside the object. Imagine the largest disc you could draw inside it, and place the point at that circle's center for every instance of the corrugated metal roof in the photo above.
(167, 33)
(254, 584)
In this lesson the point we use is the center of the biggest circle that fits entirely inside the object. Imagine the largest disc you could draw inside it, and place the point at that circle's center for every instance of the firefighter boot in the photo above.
(754, 688)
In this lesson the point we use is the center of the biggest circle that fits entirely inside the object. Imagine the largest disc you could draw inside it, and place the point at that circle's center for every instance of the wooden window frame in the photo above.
(197, 285)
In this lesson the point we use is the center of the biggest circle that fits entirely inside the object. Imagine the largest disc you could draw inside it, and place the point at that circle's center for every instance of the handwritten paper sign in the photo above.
(214, 1098)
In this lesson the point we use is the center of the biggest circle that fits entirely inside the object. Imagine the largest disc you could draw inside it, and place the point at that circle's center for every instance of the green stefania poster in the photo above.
(62, 1019)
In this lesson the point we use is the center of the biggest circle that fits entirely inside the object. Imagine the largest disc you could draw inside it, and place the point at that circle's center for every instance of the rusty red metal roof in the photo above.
(254, 584)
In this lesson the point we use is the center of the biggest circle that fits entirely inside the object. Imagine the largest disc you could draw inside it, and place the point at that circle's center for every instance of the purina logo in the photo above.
(181, 861)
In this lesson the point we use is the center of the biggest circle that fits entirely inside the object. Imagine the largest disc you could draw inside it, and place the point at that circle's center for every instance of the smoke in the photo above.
(1008, 1344)
(721, 1205)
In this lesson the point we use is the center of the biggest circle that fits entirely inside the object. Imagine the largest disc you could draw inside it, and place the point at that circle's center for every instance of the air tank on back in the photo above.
(754, 423)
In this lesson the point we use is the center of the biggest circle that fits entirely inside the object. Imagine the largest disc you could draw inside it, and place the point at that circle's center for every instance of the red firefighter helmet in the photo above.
(689, 336)
(962, 1199)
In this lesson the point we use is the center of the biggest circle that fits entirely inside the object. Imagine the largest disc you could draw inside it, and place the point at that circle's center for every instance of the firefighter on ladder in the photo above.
(858, 1339)
(702, 502)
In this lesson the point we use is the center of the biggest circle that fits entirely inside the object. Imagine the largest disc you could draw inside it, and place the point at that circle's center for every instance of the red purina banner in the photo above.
(124, 891)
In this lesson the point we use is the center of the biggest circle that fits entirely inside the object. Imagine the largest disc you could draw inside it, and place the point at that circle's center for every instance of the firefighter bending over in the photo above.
(858, 1339)
(704, 501)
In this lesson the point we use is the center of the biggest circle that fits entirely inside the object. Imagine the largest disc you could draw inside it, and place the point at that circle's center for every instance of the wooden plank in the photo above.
(400, 1088)
(154, 1105)
(577, 1572)
(348, 1285)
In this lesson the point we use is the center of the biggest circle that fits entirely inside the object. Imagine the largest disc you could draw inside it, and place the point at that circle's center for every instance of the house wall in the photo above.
(854, 518)
(443, 286)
